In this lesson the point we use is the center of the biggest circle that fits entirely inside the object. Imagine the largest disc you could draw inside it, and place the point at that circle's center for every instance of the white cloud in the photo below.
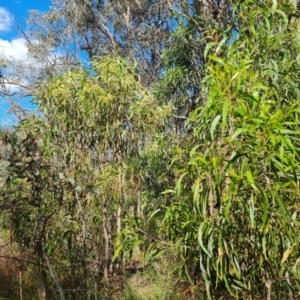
(11, 88)
(6, 19)
(16, 52)
(21, 68)
(15, 48)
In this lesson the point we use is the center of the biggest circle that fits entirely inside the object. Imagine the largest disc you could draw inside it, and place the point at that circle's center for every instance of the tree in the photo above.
(221, 121)
(76, 31)
(132, 29)
(233, 212)
(79, 174)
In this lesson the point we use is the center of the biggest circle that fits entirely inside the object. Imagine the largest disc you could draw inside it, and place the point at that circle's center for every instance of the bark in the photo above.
(52, 274)
(119, 213)
(203, 8)
(139, 203)
(41, 280)
(121, 185)
(84, 232)
(20, 285)
(106, 239)
(211, 10)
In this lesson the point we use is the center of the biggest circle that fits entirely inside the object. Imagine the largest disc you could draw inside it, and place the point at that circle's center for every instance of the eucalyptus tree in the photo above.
(98, 124)
(71, 31)
(199, 23)
(76, 31)
(72, 171)
(234, 210)
(88, 28)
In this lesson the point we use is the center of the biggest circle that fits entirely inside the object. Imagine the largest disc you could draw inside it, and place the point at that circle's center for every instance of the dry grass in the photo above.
(10, 267)
(15, 276)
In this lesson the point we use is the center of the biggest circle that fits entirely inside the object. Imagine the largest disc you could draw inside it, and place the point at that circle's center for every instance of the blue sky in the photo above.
(13, 13)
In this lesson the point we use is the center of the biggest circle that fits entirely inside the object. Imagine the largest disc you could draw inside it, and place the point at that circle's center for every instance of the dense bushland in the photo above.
(185, 185)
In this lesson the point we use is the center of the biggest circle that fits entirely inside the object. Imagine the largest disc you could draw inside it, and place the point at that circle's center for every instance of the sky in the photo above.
(13, 13)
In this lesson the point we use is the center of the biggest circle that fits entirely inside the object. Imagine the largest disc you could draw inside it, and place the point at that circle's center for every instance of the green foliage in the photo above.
(184, 67)
(71, 171)
(87, 103)
(93, 179)
(234, 217)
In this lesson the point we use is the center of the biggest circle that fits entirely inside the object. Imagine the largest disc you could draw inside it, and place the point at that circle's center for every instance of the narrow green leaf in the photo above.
(214, 125)
(168, 191)
(196, 193)
(225, 113)
(153, 214)
(194, 149)
(179, 184)
(227, 210)
(285, 17)
(201, 231)
(217, 59)
(274, 5)
(236, 133)
(208, 47)
(250, 179)
(264, 248)
(220, 45)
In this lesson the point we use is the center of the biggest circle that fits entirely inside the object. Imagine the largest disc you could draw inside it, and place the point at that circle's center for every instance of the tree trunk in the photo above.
(41, 281)
(139, 204)
(210, 10)
(20, 285)
(119, 213)
(106, 239)
(52, 274)
(121, 187)
(203, 8)
(82, 216)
